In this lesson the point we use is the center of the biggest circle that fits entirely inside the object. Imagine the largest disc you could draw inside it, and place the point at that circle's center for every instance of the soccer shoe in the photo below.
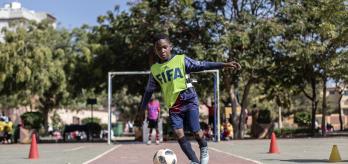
(204, 155)
(157, 142)
(149, 142)
(193, 162)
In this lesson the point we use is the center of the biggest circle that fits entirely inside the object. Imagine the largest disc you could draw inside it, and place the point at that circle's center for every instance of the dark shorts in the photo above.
(185, 114)
(152, 123)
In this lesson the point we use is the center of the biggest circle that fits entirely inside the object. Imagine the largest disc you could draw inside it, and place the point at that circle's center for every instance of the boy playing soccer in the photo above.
(171, 75)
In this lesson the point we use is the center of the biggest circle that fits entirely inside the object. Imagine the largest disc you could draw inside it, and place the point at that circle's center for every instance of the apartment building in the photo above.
(333, 97)
(14, 11)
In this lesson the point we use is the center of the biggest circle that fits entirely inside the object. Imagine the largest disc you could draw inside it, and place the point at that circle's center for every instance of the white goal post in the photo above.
(216, 98)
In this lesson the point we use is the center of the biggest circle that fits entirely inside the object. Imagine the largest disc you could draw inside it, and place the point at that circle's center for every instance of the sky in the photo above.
(71, 13)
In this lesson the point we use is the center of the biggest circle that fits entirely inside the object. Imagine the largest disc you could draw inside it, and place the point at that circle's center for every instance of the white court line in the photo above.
(234, 155)
(73, 149)
(106, 152)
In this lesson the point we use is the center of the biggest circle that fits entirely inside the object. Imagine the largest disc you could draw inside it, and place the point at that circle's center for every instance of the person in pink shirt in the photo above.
(152, 114)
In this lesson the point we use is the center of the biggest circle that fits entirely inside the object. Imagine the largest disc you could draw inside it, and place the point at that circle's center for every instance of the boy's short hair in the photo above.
(159, 36)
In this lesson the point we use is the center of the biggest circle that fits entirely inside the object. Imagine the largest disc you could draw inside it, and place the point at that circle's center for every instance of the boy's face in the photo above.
(162, 49)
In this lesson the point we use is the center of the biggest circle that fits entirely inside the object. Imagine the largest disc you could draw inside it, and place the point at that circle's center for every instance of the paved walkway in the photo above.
(141, 153)
(300, 150)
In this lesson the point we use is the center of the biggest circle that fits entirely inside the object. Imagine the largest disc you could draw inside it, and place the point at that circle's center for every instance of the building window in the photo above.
(332, 92)
(345, 111)
(345, 93)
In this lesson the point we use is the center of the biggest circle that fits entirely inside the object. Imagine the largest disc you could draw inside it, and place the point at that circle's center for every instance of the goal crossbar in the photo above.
(216, 98)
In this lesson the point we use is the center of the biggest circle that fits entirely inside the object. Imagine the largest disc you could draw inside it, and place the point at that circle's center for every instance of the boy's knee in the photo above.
(179, 134)
(198, 135)
(201, 141)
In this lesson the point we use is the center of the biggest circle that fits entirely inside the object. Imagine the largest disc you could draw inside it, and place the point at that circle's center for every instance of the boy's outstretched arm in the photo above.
(196, 66)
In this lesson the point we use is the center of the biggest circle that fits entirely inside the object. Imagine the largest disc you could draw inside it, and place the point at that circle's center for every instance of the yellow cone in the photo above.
(335, 155)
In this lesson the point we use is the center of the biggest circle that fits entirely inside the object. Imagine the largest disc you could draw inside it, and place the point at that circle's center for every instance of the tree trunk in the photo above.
(340, 112)
(244, 106)
(45, 118)
(280, 123)
(234, 117)
(234, 102)
(314, 104)
(324, 109)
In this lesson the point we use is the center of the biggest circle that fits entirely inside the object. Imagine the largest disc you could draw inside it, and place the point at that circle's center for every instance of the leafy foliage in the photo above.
(264, 117)
(291, 132)
(90, 120)
(32, 120)
(57, 122)
(303, 119)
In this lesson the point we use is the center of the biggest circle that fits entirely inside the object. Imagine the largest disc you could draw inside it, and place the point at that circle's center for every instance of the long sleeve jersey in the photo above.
(190, 66)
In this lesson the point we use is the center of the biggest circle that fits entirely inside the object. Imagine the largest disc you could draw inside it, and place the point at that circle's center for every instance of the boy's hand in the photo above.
(233, 65)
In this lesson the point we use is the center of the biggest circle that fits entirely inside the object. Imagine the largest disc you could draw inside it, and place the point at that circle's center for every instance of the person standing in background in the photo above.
(152, 114)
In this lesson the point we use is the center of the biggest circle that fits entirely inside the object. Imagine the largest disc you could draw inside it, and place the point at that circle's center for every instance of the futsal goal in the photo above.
(216, 126)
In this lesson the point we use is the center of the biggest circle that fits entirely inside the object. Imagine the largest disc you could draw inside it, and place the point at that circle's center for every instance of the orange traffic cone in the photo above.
(273, 148)
(34, 153)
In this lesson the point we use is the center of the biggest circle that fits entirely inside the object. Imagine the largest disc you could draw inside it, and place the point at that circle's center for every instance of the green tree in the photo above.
(32, 73)
(126, 38)
(197, 29)
(249, 38)
(314, 34)
(340, 76)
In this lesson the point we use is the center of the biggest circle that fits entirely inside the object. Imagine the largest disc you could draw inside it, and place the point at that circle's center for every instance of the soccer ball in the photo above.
(164, 156)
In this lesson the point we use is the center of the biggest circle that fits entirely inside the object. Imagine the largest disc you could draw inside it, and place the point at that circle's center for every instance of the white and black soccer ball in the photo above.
(165, 156)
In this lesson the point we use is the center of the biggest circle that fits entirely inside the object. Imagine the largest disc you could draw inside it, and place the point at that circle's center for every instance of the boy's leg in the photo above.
(150, 133)
(195, 128)
(157, 136)
(200, 139)
(177, 114)
(203, 146)
(186, 145)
